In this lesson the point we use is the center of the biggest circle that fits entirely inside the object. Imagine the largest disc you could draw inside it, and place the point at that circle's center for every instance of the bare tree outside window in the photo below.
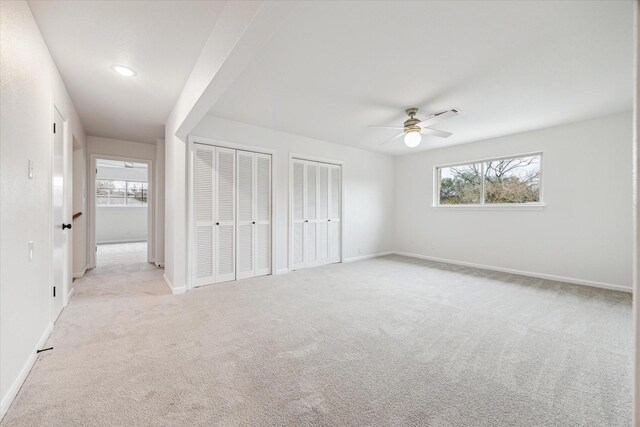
(501, 181)
(121, 193)
(514, 180)
(460, 185)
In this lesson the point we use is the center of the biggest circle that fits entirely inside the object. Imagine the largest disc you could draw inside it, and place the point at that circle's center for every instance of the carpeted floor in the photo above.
(387, 341)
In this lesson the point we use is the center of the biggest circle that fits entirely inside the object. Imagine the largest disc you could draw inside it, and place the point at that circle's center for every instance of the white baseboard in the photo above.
(174, 291)
(363, 257)
(68, 297)
(82, 273)
(282, 271)
(7, 399)
(112, 242)
(521, 272)
(159, 264)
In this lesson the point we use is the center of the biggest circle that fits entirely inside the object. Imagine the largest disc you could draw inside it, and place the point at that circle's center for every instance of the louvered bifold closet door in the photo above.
(245, 260)
(204, 213)
(322, 228)
(311, 213)
(225, 218)
(298, 213)
(262, 214)
(335, 213)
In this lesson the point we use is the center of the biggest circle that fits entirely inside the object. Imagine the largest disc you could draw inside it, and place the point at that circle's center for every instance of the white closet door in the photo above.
(298, 213)
(311, 213)
(322, 227)
(335, 213)
(245, 261)
(262, 214)
(225, 218)
(204, 213)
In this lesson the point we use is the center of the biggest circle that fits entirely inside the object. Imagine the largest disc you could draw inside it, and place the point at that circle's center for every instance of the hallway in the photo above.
(114, 255)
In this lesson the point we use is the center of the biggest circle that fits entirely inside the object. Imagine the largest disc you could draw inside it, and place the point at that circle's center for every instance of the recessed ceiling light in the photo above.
(123, 71)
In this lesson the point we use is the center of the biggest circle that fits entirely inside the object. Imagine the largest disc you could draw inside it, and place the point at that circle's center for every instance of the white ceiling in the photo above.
(334, 68)
(160, 40)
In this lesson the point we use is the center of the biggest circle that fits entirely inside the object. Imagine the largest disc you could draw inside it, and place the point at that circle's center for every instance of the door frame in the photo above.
(67, 178)
(91, 205)
(192, 140)
(306, 157)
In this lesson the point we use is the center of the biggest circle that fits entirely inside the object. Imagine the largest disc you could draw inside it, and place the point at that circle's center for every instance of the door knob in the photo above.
(66, 226)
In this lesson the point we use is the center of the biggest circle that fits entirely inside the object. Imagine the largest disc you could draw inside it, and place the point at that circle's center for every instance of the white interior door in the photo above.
(262, 214)
(245, 246)
(59, 258)
(204, 212)
(298, 213)
(335, 213)
(225, 202)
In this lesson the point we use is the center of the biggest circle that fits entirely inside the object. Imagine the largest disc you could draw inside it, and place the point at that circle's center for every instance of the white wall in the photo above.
(584, 232)
(97, 146)
(367, 184)
(636, 217)
(116, 224)
(118, 147)
(29, 82)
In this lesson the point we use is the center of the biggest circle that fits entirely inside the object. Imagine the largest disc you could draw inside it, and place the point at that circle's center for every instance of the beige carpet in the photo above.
(388, 341)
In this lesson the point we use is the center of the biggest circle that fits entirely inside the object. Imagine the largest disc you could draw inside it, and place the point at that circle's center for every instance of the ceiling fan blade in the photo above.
(435, 118)
(391, 139)
(435, 132)
(386, 127)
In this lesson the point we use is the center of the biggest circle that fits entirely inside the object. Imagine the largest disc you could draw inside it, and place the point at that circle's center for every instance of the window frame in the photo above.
(482, 205)
(126, 194)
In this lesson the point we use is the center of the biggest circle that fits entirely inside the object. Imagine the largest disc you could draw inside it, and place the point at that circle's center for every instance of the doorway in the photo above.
(122, 214)
(60, 227)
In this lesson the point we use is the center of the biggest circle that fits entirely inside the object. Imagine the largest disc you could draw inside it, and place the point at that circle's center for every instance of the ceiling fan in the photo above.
(414, 128)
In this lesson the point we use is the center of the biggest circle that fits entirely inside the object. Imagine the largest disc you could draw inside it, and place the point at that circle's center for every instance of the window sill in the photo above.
(503, 207)
(121, 206)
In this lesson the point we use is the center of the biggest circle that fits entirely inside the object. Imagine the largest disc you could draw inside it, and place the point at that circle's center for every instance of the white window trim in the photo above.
(489, 206)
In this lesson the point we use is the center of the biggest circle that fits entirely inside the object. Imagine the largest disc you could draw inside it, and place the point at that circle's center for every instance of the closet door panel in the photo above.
(298, 213)
(203, 194)
(245, 193)
(335, 212)
(311, 214)
(226, 214)
(322, 238)
(262, 214)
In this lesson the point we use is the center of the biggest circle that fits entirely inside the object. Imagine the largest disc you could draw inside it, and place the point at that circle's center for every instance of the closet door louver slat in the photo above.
(204, 182)
(262, 215)
(298, 213)
(226, 219)
(246, 239)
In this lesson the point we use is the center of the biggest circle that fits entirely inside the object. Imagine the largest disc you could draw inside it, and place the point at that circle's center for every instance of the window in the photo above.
(502, 181)
(111, 192)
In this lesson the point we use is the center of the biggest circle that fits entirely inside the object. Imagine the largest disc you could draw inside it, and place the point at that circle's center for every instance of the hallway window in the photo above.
(121, 193)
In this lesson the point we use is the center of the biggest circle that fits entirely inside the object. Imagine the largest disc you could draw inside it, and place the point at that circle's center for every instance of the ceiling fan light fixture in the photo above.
(412, 139)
